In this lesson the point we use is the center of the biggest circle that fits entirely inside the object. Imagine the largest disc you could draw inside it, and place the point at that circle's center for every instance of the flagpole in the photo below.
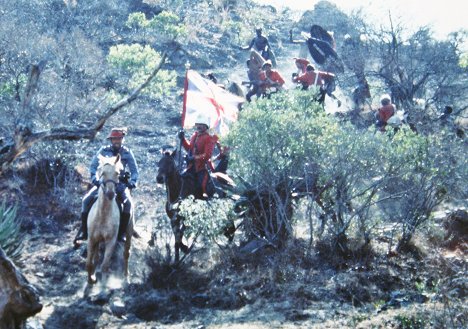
(187, 68)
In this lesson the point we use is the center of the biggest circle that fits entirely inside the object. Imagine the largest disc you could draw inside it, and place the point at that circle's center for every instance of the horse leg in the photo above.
(91, 260)
(177, 236)
(109, 251)
(128, 243)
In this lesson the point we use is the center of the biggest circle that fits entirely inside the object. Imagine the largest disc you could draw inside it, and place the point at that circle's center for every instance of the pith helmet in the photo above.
(203, 119)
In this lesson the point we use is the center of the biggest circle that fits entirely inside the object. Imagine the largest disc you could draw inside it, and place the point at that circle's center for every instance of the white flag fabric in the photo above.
(203, 97)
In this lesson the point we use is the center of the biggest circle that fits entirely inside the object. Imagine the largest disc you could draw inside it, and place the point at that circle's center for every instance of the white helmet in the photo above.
(203, 119)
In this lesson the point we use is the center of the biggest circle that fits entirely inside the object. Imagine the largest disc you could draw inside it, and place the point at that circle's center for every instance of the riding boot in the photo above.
(124, 219)
(84, 228)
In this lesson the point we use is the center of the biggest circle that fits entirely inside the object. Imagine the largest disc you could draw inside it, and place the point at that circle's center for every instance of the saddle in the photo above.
(223, 179)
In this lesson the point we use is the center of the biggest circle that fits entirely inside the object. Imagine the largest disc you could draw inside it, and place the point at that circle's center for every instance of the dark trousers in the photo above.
(254, 90)
(123, 198)
(203, 182)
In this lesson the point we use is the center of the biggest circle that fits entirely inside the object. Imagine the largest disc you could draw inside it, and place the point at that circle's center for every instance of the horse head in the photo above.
(166, 166)
(108, 172)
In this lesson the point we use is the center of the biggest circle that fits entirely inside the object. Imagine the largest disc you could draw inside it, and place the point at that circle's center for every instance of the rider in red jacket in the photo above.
(200, 148)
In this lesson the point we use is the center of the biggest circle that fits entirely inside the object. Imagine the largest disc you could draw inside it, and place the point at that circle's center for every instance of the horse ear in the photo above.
(174, 153)
(117, 158)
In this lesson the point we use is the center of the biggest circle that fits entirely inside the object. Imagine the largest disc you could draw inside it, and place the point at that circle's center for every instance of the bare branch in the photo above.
(24, 137)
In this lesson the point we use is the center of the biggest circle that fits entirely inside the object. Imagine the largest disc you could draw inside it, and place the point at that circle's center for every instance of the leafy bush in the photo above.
(287, 148)
(166, 24)
(135, 63)
(411, 322)
(206, 218)
(290, 145)
(464, 60)
(424, 172)
(10, 234)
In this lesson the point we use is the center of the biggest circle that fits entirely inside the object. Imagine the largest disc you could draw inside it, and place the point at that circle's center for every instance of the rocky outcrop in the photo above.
(18, 299)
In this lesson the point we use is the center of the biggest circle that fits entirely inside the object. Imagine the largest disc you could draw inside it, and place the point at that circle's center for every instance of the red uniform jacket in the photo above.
(385, 112)
(273, 78)
(313, 78)
(201, 146)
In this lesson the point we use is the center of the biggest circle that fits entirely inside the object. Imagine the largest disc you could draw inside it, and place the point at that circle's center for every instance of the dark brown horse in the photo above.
(179, 188)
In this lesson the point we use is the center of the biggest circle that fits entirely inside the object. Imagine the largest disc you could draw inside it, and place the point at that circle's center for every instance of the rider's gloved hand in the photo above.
(181, 134)
(131, 185)
(189, 158)
(96, 182)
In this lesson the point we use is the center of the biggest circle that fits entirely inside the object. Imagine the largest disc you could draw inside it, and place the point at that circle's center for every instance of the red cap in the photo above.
(117, 133)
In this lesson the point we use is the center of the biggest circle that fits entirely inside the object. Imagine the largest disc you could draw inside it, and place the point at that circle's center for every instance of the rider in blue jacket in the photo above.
(127, 182)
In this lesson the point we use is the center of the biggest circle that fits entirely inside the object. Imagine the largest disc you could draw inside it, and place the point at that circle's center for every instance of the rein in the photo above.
(168, 187)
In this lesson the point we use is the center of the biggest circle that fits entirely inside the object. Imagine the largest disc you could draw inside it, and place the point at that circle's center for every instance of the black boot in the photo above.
(124, 219)
(83, 232)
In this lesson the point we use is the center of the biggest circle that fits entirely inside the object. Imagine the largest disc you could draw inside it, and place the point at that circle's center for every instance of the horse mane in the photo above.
(114, 161)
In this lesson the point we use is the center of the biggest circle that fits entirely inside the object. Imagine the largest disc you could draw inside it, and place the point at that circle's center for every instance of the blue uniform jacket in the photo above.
(127, 159)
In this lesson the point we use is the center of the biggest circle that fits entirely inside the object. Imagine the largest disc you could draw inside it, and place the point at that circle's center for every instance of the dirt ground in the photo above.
(221, 286)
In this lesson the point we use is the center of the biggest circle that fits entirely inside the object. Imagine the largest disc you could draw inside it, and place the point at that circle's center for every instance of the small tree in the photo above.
(288, 148)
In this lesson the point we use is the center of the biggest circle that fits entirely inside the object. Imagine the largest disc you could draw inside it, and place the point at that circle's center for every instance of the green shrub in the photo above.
(288, 148)
(411, 322)
(464, 60)
(288, 144)
(166, 24)
(424, 172)
(134, 63)
(10, 235)
(208, 219)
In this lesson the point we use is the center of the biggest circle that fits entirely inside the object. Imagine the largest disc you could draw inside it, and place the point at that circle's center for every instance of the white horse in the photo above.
(104, 219)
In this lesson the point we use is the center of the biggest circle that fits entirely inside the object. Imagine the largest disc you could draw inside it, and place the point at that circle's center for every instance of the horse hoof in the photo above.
(76, 245)
(92, 280)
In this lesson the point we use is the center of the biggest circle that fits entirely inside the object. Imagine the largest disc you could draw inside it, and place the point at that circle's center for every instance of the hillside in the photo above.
(219, 284)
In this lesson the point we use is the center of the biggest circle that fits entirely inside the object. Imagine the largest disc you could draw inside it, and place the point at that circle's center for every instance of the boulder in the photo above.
(456, 227)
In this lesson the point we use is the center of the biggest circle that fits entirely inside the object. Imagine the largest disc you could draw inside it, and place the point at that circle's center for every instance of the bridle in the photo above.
(104, 183)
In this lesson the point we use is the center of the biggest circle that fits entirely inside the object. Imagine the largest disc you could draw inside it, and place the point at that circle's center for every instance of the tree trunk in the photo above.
(19, 300)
